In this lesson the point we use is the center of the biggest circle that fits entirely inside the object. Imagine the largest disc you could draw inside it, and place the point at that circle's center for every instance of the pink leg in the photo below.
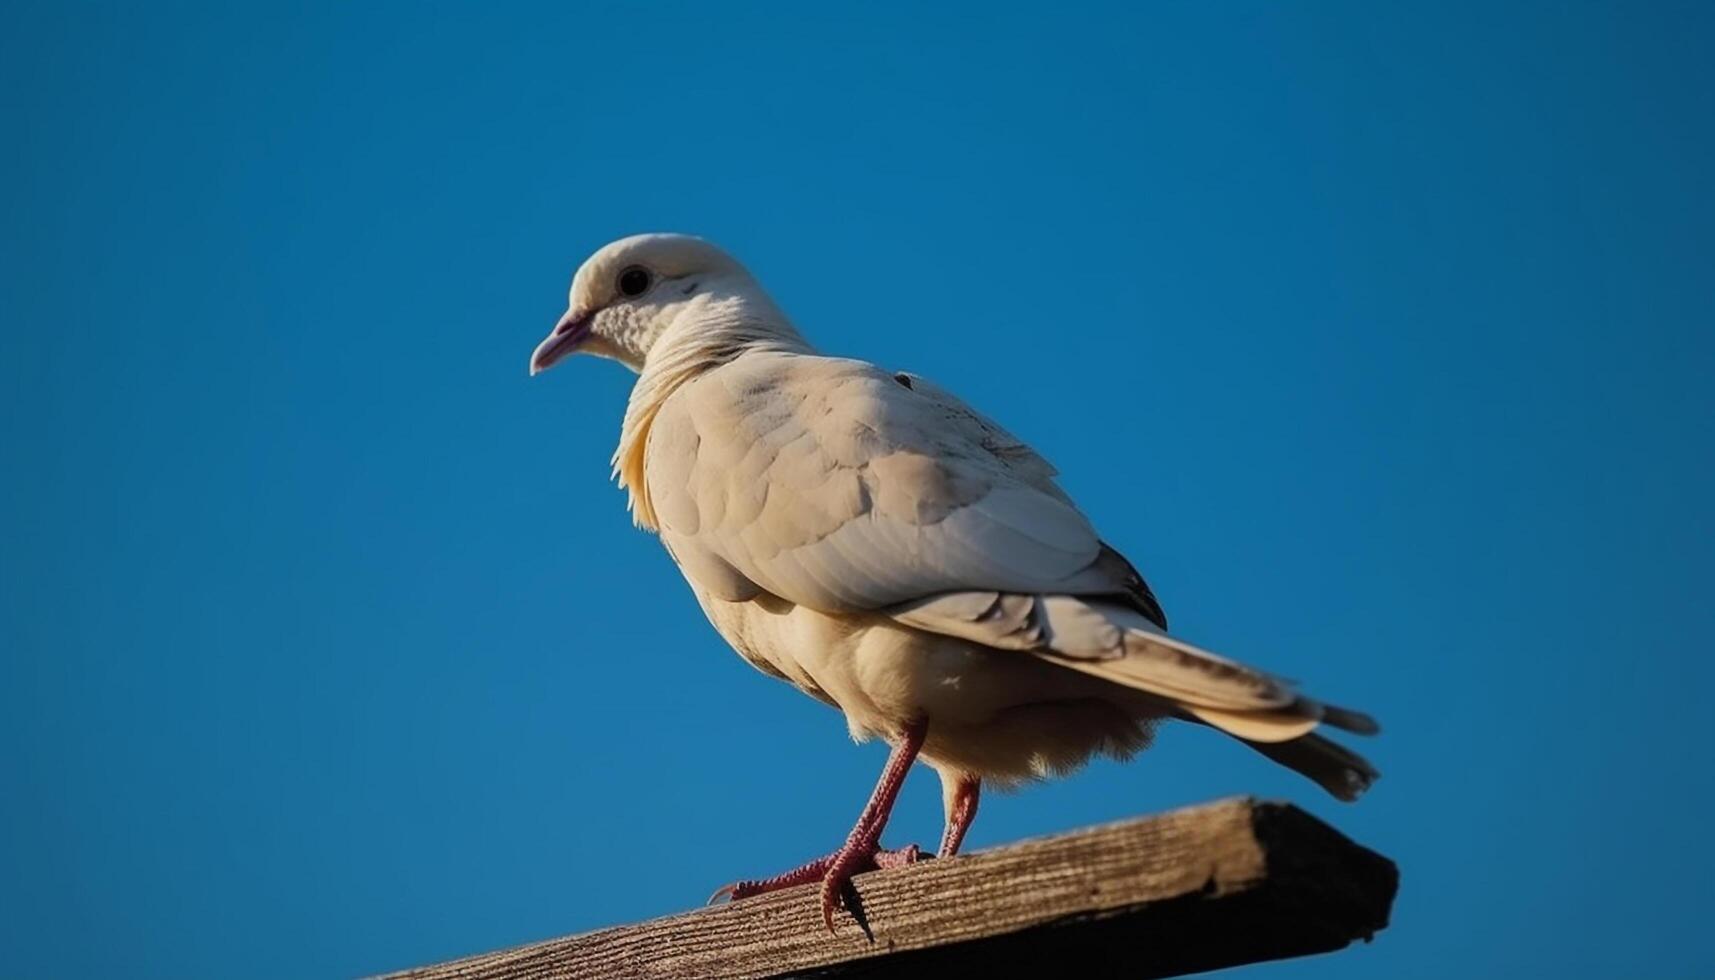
(961, 801)
(862, 850)
(865, 838)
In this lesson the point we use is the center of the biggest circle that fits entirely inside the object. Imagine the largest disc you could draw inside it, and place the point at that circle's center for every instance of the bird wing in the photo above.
(835, 485)
(974, 428)
(1028, 466)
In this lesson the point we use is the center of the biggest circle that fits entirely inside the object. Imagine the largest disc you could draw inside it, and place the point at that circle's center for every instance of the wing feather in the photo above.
(831, 484)
(1115, 643)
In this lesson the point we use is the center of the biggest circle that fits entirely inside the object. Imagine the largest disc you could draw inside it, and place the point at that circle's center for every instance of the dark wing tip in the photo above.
(1136, 589)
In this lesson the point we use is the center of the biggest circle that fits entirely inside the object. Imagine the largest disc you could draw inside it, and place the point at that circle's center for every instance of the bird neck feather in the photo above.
(697, 341)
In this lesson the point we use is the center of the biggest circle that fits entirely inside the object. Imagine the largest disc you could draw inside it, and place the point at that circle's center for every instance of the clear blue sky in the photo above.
(1382, 340)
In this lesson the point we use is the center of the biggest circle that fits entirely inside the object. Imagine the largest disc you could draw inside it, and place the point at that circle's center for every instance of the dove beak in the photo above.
(568, 333)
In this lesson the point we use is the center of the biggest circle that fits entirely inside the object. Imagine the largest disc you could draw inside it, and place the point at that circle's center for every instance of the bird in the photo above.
(867, 537)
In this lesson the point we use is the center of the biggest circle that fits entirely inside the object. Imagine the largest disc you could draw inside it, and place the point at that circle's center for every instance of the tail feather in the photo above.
(1294, 721)
(1122, 646)
(1355, 722)
(1285, 724)
(1332, 766)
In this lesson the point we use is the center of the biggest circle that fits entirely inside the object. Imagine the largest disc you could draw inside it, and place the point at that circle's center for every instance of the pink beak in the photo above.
(568, 333)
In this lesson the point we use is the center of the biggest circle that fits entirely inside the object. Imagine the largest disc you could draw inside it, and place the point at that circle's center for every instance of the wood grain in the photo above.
(1231, 882)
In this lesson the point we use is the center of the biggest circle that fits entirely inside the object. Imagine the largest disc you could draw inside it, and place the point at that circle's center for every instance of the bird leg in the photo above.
(864, 843)
(959, 794)
(862, 850)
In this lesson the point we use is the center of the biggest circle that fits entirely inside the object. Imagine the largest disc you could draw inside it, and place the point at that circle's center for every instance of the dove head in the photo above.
(632, 291)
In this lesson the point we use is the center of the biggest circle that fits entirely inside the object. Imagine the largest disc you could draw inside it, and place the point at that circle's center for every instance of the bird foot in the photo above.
(833, 871)
(852, 859)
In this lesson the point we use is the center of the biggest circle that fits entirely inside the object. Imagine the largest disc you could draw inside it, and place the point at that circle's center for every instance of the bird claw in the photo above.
(833, 871)
(909, 854)
(852, 860)
(801, 875)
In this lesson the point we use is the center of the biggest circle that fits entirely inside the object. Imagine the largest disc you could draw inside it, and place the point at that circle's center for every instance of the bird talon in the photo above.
(850, 862)
(727, 892)
(909, 854)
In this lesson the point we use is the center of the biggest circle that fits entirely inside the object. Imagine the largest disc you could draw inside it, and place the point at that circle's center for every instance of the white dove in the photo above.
(883, 547)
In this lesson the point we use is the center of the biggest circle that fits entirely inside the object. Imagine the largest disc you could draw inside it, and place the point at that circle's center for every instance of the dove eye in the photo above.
(634, 281)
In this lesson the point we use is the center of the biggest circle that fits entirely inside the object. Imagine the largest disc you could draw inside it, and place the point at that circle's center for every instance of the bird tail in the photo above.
(1343, 773)
(1332, 766)
(1122, 646)
(1259, 709)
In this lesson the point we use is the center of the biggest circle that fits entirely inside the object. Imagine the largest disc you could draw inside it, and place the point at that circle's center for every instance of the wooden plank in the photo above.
(1232, 882)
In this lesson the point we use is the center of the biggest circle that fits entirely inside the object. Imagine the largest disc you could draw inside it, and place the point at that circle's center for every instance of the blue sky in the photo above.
(1380, 338)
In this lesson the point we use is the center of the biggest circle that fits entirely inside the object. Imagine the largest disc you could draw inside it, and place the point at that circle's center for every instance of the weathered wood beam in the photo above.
(1232, 882)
